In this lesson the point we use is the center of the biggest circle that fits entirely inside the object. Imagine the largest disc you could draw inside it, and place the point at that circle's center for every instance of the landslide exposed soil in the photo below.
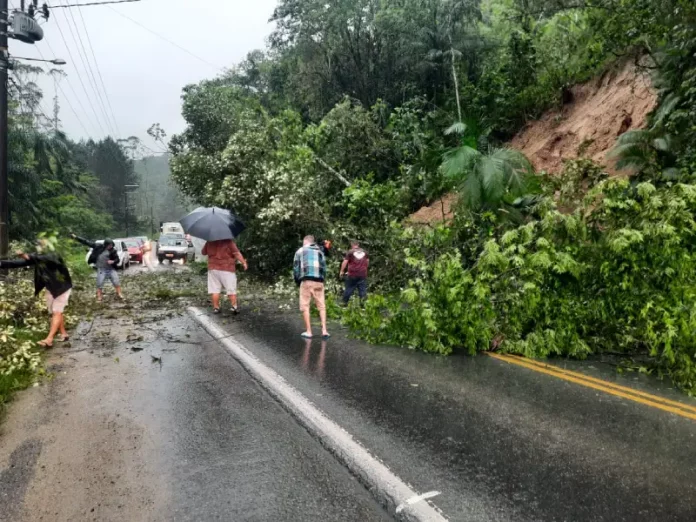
(598, 112)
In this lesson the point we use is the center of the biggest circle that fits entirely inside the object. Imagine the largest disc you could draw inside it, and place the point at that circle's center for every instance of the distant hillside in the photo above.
(157, 199)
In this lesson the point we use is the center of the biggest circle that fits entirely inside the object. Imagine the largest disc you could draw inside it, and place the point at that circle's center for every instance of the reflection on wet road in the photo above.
(315, 367)
(148, 419)
(500, 442)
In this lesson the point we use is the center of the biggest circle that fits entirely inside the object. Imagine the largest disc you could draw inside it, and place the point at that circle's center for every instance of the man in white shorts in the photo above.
(222, 267)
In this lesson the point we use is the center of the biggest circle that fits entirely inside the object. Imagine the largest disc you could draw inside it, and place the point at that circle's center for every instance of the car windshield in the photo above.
(132, 243)
(172, 241)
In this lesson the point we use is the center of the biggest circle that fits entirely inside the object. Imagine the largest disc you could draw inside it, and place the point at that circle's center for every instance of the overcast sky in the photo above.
(143, 73)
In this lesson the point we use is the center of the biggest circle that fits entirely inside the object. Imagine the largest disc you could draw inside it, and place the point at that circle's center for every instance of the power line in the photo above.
(79, 100)
(72, 59)
(166, 39)
(88, 68)
(75, 113)
(92, 3)
(101, 78)
(77, 117)
(152, 151)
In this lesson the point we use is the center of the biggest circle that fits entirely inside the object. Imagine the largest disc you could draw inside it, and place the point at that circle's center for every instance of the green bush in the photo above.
(616, 274)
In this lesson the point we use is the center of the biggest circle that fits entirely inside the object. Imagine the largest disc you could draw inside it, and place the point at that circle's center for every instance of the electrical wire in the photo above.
(166, 39)
(79, 101)
(93, 3)
(161, 151)
(87, 133)
(78, 98)
(79, 77)
(88, 68)
(101, 78)
(22, 88)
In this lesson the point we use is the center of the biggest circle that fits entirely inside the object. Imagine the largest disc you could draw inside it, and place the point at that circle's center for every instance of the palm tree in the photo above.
(489, 180)
(647, 152)
(35, 156)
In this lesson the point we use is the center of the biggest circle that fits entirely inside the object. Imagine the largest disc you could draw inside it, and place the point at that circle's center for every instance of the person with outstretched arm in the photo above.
(50, 273)
(105, 257)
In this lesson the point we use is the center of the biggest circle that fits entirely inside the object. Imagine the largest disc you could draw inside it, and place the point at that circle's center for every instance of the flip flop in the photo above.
(305, 335)
(327, 336)
(64, 339)
(44, 344)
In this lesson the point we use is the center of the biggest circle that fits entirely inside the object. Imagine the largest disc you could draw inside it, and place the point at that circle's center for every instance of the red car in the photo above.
(135, 249)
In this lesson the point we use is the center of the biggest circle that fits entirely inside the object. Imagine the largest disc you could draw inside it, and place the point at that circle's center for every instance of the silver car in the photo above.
(175, 246)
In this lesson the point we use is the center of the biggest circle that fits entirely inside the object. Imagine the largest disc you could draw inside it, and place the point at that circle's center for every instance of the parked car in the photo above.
(121, 250)
(135, 249)
(175, 246)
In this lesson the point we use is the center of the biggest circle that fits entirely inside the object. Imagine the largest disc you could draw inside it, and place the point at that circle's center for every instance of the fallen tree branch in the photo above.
(328, 167)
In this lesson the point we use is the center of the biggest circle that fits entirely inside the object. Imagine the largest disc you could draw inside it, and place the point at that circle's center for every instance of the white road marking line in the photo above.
(416, 499)
(389, 489)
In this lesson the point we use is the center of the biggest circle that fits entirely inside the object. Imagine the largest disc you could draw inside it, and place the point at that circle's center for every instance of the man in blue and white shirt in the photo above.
(309, 269)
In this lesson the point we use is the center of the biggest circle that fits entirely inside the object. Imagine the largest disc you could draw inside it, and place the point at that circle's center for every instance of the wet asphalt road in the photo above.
(119, 436)
(500, 442)
(233, 453)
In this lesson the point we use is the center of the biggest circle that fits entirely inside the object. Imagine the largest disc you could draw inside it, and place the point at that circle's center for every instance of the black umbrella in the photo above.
(212, 224)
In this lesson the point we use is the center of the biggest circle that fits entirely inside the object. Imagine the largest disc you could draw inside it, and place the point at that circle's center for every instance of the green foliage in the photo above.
(372, 204)
(337, 130)
(55, 183)
(21, 323)
(485, 181)
(668, 33)
(616, 274)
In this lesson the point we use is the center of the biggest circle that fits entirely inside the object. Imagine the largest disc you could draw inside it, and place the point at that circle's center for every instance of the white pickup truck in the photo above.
(171, 229)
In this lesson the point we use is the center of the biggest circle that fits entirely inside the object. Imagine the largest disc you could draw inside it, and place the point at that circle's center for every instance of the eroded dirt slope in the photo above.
(587, 126)
(599, 112)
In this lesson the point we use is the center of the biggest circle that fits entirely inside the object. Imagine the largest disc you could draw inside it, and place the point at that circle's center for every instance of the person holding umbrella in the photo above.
(219, 228)
(222, 267)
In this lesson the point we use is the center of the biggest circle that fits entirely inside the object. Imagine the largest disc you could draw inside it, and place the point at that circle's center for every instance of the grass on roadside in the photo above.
(24, 321)
(9, 384)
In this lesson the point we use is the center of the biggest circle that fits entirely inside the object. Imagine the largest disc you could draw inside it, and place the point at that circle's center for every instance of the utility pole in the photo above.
(125, 197)
(4, 195)
(22, 26)
(27, 30)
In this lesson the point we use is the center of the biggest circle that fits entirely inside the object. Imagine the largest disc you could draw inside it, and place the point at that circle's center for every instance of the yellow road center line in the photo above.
(595, 386)
(609, 384)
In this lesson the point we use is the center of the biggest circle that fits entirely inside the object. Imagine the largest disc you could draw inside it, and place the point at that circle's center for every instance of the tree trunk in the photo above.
(456, 83)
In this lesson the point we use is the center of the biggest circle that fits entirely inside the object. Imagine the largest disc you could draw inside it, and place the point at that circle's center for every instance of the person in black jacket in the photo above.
(50, 273)
(105, 257)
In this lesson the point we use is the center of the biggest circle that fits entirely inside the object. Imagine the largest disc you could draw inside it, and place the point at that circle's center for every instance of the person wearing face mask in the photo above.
(51, 274)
